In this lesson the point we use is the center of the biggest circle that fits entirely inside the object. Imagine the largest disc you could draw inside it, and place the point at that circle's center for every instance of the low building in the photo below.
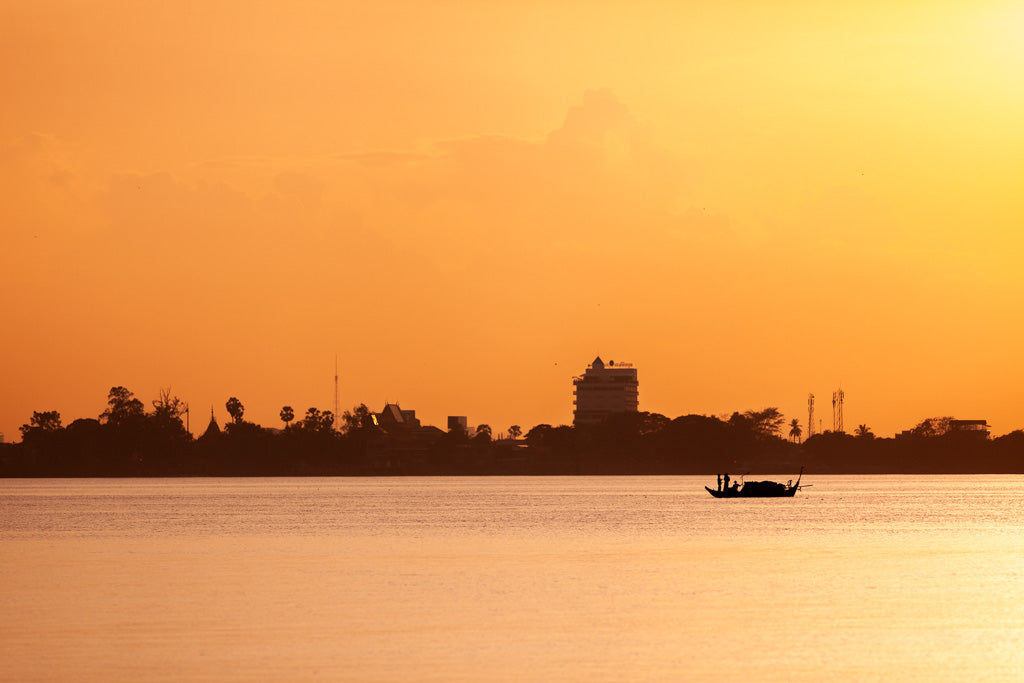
(404, 443)
(931, 428)
(603, 390)
(393, 417)
(978, 428)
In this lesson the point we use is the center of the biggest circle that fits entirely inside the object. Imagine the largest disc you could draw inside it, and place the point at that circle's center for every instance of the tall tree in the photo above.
(122, 407)
(235, 409)
(41, 423)
(165, 422)
(514, 432)
(168, 408)
(933, 426)
(287, 415)
(358, 418)
(539, 434)
(318, 422)
(794, 430)
(765, 422)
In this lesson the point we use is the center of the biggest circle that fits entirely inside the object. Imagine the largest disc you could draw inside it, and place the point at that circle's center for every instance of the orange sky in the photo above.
(468, 201)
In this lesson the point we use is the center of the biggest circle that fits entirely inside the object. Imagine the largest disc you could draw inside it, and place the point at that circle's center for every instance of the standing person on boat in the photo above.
(719, 481)
(726, 479)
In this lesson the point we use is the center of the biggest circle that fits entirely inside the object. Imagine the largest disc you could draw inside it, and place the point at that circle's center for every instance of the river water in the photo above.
(510, 579)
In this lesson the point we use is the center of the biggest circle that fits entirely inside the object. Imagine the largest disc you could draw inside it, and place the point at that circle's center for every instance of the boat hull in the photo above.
(788, 492)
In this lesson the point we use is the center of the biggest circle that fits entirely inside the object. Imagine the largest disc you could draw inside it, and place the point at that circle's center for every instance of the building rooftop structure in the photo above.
(212, 429)
(977, 428)
(972, 428)
(458, 423)
(603, 390)
(394, 418)
(405, 441)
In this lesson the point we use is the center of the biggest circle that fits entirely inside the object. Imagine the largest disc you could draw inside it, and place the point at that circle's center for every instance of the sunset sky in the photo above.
(468, 201)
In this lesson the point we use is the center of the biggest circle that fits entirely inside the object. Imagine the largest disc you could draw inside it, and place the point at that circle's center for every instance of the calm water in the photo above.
(510, 579)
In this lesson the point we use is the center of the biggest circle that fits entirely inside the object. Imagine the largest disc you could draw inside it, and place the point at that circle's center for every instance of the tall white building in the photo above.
(603, 390)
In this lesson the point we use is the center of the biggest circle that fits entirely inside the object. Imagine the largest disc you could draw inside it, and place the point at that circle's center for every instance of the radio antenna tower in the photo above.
(334, 418)
(810, 415)
(837, 410)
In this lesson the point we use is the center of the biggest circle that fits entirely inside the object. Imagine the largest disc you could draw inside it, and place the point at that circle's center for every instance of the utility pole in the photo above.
(334, 420)
(810, 415)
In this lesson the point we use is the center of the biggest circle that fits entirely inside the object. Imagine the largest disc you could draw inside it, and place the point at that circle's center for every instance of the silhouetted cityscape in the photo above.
(609, 435)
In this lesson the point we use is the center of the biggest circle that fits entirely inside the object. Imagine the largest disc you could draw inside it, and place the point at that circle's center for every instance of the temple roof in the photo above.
(213, 429)
(392, 413)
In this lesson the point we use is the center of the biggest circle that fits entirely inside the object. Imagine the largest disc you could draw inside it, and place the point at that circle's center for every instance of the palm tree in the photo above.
(794, 430)
(864, 432)
(287, 415)
(235, 409)
(514, 431)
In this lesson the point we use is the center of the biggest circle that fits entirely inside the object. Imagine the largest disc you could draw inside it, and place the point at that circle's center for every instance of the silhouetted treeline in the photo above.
(128, 440)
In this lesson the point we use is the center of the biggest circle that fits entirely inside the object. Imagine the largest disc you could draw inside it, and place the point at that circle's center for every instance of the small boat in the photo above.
(759, 489)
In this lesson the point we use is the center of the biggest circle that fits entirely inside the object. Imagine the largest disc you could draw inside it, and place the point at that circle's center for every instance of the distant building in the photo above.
(978, 428)
(603, 390)
(212, 429)
(393, 417)
(458, 422)
(403, 441)
(971, 428)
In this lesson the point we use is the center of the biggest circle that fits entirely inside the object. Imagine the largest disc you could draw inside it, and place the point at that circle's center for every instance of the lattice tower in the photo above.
(837, 410)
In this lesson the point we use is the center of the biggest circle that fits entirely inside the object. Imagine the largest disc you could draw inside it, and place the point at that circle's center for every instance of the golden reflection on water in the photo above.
(628, 578)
